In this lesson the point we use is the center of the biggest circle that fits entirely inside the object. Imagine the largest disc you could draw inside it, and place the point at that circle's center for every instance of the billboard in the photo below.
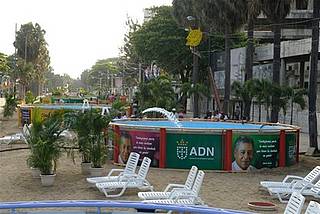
(186, 150)
(142, 142)
(254, 151)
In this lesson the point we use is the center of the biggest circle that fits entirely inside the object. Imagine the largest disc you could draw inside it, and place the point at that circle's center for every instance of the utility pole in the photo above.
(313, 133)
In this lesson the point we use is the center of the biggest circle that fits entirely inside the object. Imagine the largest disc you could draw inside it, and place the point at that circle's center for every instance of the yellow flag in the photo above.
(194, 37)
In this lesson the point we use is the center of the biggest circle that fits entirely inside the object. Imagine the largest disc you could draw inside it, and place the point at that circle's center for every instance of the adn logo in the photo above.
(195, 152)
(182, 149)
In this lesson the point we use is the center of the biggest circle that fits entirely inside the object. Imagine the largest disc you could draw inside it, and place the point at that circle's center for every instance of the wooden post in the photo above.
(228, 151)
(163, 147)
(282, 149)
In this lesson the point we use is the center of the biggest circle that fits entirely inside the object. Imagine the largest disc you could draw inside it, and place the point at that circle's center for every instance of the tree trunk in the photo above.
(249, 62)
(276, 70)
(247, 107)
(227, 83)
(249, 50)
(259, 112)
(291, 114)
(252, 117)
(313, 134)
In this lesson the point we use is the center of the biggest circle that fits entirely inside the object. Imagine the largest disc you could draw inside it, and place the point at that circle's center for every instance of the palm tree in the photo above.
(245, 92)
(262, 93)
(276, 11)
(313, 134)
(254, 9)
(296, 96)
(284, 94)
(226, 16)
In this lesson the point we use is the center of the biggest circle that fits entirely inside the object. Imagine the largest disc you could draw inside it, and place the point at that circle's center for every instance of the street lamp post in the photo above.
(195, 70)
(195, 80)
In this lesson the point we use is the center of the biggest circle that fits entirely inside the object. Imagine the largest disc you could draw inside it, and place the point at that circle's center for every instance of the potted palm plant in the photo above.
(89, 126)
(98, 154)
(80, 123)
(98, 150)
(45, 144)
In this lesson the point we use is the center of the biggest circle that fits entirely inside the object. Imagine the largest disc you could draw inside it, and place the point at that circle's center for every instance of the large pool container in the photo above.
(206, 144)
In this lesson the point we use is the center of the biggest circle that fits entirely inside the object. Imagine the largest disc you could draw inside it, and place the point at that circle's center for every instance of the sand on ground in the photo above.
(219, 189)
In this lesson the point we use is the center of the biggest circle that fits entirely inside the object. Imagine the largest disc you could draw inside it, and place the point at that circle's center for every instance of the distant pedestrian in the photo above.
(237, 113)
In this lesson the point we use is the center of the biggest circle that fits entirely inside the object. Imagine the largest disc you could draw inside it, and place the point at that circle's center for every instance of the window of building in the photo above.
(302, 4)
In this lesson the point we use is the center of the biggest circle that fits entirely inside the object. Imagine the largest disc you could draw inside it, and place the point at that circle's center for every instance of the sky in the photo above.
(78, 32)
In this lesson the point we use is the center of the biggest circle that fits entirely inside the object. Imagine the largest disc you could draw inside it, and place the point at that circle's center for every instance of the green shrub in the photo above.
(10, 106)
(29, 97)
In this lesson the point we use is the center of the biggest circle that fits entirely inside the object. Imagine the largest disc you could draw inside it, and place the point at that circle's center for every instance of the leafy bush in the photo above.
(10, 106)
(29, 97)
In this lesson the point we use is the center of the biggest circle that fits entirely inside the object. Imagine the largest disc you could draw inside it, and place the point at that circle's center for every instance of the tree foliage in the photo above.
(157, 92)
(32, 60)
(10, 106)
(162, 41)
(3, 63)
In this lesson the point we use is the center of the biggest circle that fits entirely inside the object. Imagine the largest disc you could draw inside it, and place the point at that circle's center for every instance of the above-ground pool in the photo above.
(230, 146)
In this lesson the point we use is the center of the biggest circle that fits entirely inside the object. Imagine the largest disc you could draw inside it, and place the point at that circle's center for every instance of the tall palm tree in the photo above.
(276, 11)
(226, 16)
(254, 9)
(313, 134)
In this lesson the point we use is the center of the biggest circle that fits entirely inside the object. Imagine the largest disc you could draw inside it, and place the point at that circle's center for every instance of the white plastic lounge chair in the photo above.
(290, 179)
(138, 181)
(166, 193)
(303, 187)
(313, 208)
(5, 140)
(12, 138)
(127, 172)
(184, 196)
(295, 204)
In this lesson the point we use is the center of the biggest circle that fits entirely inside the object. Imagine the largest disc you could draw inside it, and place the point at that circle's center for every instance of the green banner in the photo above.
(254, 151)
(186, 150)
(291, 149)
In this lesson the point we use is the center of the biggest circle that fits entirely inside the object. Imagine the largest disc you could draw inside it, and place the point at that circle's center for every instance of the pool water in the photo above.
(201, 125)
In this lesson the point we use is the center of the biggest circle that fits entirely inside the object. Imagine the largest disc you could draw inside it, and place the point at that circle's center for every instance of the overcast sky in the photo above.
(78, 32)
